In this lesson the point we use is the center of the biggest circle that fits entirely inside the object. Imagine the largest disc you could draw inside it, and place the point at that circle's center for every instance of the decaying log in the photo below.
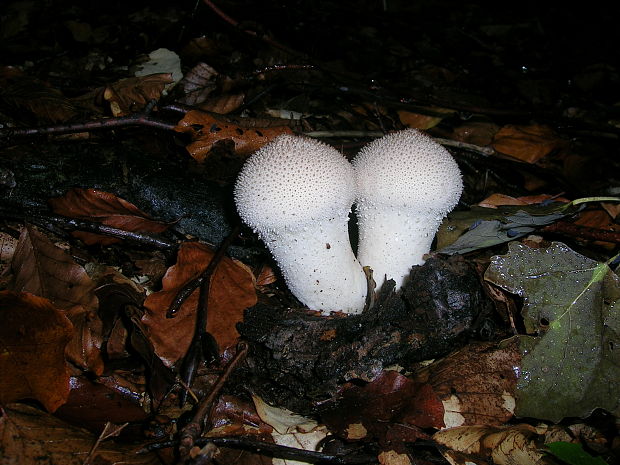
(173, 190)
(298, 358)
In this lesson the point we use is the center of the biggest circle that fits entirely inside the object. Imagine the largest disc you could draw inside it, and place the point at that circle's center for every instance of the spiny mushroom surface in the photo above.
(296, 193)
(406, 184)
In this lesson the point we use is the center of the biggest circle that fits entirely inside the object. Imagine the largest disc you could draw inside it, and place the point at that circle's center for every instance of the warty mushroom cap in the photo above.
(406, 183)
(296, 193)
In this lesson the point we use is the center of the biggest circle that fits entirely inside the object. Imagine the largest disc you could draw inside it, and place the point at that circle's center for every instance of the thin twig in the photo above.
(109, 431)
(108, 123)
(192, 431)
(47, 220)
(273, 450)
(201, 339)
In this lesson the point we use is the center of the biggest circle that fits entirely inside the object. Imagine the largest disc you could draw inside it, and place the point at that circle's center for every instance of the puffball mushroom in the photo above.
(296, 193)
(406, 184)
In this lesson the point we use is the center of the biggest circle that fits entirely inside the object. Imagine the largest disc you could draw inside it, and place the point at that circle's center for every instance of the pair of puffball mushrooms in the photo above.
(296, 193)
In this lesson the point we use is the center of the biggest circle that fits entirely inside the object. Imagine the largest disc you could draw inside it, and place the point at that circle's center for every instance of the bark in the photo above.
(174, 189)
(298, 358)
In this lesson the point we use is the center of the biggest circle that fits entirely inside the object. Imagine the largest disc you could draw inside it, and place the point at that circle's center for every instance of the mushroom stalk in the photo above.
(406, 183)
(392, 242)
(296, 193)
(319, 266)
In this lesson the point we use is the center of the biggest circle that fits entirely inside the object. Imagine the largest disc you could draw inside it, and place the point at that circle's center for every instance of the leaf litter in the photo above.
(471, 386)
(570, 363)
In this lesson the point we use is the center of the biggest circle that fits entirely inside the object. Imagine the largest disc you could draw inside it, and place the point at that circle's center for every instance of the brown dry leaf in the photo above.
(233, 416)
(8, 244)
(232, 291)
(613, 209)
(496, 200)
(391, 408)
(207, 130)
(420, 121)
(223, 104)
(598, 219)
(527, 143)
(266, 276)
(130, 95)
(477, 133)
(91, 404)
(31, 437)
(33, 336)
(198, 84)
(45, 270)
(105, 208)
(518, 444)
(45, 103)
(476, 384)
(392, 457)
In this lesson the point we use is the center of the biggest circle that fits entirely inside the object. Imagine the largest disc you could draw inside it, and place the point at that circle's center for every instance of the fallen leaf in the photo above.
(46, 103)
(283, 421)
(421, 121)
(479, 133)
(232, 416)
(223, 104)
(33, 337)
(478, 228)
(266, 276)
(496, 200)
(207, 130)
(570, 365)
(91, 404)
(8, 244)
(613, 209)
(476, 384)
(392, 409)
(290, 429)
(393, 458)
(132, 94)
(598, 219)
(573, 454)
(105, 208)
(527, 143)
(44, 269)
(232, 291)
(309, 440)
(161, 62)
(197, 84)
(31, 436)
(517, 444)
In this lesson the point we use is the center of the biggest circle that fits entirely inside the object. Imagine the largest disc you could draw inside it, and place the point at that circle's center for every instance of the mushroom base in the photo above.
(319, 266)
(391, 241)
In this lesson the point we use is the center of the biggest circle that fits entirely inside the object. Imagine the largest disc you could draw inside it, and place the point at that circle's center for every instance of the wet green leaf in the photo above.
(573, 454)
(478, 228)
(571, 355)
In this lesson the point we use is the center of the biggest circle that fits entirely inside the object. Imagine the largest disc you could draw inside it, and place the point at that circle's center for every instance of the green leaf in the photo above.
(571, 355)
(486, 227)
(479, 227)
(573, 454)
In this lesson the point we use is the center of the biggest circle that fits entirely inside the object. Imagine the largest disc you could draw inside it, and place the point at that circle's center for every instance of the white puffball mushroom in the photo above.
(296, 193)
(406, 184)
